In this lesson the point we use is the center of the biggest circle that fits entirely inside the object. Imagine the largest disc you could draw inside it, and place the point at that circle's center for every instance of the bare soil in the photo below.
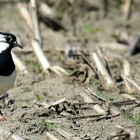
(31, 121)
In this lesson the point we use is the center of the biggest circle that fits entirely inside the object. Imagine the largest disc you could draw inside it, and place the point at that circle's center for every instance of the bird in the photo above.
(8, 41)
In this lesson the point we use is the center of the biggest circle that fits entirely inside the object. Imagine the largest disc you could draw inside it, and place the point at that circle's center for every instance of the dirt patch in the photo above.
(30, 120)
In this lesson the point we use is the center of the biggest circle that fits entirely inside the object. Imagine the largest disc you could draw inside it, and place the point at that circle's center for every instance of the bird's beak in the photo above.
(18, 45)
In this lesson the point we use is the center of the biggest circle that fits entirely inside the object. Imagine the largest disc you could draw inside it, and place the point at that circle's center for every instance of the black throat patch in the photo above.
(7, 65)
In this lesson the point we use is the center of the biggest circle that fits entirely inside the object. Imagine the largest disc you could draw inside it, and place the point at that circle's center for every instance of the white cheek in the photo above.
(3, 46)
(2, 38)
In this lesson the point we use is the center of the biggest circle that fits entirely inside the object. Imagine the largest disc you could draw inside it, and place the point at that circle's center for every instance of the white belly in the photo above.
(6, 82)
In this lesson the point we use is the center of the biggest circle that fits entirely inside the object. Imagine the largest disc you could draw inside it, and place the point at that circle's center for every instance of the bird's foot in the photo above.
(10, 102)
(3, 118)
(2, 97)
(6, 102)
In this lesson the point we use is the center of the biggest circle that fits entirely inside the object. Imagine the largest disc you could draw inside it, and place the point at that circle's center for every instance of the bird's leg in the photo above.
(2, 98)
(6, 102)
(10, 102)
(2, 117)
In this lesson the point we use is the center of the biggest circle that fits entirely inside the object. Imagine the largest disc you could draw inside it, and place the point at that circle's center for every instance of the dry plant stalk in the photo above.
(96, 107)
(114, 46)
(131, 98)
(129, 83)
(103, 57)
(132, 135)
(36, 40)
(45, 49)
(86, 116)
(127, 7)
(126, 66)
(66, 134)
(63, 100)
(58, 70)
(125, 102)
(37, 44)
(19, 64)
(111, 54)
(96, 96)
(51, 136)
(40, 55)
(128, 96)
(134, 83)
(103, 71)
(118, 135)
(47, 105)
(86, 97)
(45, 9)
(7, 135)
(22, 7)
(126, 72)
(112, 108)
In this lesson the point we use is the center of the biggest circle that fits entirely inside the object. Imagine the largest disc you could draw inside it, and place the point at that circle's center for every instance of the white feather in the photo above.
(3, 46)
(6, 82)
(2, 38)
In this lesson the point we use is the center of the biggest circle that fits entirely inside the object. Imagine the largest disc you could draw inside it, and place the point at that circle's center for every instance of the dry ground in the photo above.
(31, 121)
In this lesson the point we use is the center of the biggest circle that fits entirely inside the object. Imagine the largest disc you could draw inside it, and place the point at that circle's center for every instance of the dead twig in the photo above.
(99, 110)
(86, 97)
(124, 133)
(86, 103)
(58, 70)
(36, 40)
(134, 83)
(96, 107)
(88, 63)
(85, 116)
(126, 102)
(112, 109)
(49, 105)
(106, 117)
(130, 97)
(126, 72)
(103, 71)
(95, 95)
(37, 44)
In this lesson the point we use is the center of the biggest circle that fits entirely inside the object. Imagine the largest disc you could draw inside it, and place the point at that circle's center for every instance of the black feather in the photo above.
(7, 65)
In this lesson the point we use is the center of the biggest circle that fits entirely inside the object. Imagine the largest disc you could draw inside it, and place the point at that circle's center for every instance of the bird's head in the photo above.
(8, 41)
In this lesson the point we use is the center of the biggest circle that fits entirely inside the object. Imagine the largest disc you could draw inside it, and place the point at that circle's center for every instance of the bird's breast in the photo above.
(6, 82)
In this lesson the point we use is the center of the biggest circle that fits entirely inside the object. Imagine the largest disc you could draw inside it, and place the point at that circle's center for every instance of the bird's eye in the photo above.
(9, 39)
